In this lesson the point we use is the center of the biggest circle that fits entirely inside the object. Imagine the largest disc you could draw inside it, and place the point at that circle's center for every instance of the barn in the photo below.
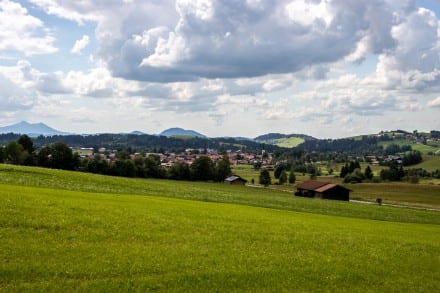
(324, 190)
(235, 180)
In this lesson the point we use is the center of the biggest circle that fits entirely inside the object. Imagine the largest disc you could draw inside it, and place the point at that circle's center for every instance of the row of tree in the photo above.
(202, 169)
(147, 143)
(58, 155)
(21, 152)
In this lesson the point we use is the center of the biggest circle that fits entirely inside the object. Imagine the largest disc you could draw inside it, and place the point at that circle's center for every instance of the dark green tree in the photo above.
(14, 153)
(264, 178)
(2, 154)
(355, 177)
(278, 170)
(292, 177)
(223, 169)
(283, 177)
(27, 143)
(123, 168)
(97, 165)
(62, 157)
(344, 171)
(179, 171)
(202, 169)
(58, 156)
(368, 173)
(257, 165)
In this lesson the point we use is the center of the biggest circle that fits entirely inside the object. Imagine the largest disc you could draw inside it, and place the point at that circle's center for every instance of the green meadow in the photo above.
(423, 148)
(71, 231)
(423, 195)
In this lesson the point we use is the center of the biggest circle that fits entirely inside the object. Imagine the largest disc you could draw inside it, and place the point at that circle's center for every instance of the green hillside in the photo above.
(430, 163)
(285, 142)
(415, 146)
(68, 231)
(289, 142)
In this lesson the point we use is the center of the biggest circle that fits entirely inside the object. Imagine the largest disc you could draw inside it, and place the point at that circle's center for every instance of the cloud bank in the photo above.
(322, 61)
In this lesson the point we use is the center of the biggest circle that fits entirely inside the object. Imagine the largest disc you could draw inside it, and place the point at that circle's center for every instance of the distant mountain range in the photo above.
(181, 132)
(31, 129)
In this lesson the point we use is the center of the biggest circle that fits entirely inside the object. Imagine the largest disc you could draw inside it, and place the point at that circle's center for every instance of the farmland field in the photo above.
(402, 193)
(415, 146)
(81, 232)
(430, 163)
(289, 142)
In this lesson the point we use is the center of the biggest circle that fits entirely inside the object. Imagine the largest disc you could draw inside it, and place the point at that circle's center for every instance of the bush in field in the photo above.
(283, 177)
(278, 170)
(394, 173)
(292, 177)
(356, 177)
(368, 173)
(264, 178)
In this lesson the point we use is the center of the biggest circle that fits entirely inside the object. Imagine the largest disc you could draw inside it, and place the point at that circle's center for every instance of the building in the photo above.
(235, 180)
(324, 190)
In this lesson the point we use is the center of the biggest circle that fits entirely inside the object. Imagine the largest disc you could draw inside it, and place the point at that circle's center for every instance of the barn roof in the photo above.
(233, 178)
(312, 185)
(318, 186)
(325, 187)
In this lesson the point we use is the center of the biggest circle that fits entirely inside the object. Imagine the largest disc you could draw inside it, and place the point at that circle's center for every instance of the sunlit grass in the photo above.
(61, 240)
(212, 192)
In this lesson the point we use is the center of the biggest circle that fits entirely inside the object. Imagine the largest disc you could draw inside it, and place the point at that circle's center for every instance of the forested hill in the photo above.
(148, 143)
(273, 136)
(350, 145)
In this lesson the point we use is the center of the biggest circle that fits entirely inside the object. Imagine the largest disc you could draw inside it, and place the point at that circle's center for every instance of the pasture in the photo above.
(423, 195)
(423, 148)
(69, 231)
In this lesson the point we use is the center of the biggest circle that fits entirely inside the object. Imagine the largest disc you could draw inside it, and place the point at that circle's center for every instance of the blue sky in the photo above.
(328, 68)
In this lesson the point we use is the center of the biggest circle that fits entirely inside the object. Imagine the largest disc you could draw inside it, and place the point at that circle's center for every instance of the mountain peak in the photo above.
(31, 129)
(177, 131)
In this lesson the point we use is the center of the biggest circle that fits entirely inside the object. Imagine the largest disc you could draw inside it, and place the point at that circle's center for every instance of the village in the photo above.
(168, 159)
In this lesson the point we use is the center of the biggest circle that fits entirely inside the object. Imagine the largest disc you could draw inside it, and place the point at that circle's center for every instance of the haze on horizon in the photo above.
(327, 68)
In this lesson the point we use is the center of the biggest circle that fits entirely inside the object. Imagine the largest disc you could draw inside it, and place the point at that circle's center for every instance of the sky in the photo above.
(326, 68)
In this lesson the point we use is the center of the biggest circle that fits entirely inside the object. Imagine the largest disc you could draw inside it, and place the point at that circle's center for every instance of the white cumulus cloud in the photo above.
(80, 44)
(435, 103)
(22, 32)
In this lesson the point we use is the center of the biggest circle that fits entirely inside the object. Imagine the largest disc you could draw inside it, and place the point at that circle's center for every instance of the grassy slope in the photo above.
(415, 146)
(420, 195)
(57, 239)
(289, 142)
(212, 192)
(285, 142)
(430, 163)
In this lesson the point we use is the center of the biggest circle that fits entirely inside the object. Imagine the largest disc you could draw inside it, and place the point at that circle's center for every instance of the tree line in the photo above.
(146, 143)
(58, 155)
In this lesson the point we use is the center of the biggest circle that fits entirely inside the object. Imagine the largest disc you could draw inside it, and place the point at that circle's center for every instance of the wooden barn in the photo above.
(235, 180)
(324, 190)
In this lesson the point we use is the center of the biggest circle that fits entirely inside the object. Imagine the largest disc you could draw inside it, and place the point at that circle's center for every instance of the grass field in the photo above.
(416, 195)
(415, 146)
(289, 142)
(68, 231)
(430, 163)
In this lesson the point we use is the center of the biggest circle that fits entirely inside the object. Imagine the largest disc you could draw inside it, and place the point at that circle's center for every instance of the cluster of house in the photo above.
(311, 188)
(376, 160)
(188, 156)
